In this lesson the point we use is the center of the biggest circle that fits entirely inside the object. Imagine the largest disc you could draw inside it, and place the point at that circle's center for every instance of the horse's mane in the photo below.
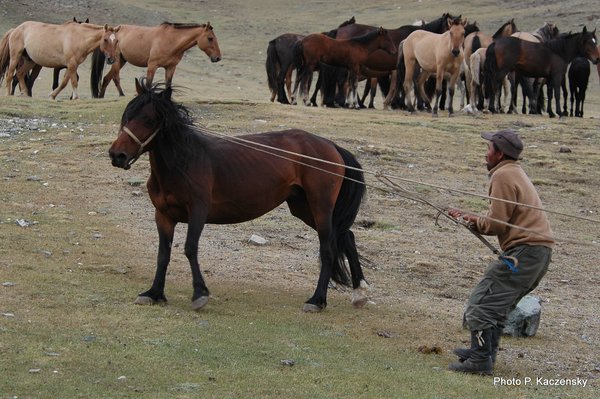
(177, 25)
(177, 132)
(559, 44)
(547, 32)
(351, 21)
(499, 31)
(366, 38)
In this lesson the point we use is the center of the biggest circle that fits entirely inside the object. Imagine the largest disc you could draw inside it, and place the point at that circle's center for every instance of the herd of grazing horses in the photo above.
(25, 49)
(434, 58)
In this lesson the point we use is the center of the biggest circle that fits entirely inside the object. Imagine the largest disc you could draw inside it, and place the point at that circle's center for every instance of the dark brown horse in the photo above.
(319, 48)
(579, 76)
(197, 177)
(548, 60)
(280, 65)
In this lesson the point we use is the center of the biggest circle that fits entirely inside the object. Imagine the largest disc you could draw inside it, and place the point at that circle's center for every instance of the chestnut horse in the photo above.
(434, 53)
(154, 47)
(538, 60)
(53, 46)
(349, 53)
(199, 177)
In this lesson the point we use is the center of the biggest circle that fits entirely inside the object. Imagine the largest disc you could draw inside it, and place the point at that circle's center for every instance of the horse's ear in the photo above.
(208, 25)
(381, 30)
(105, 27)
(116, 28)
(584, 29)
(464, 22)
(87, 20)
(74, 19)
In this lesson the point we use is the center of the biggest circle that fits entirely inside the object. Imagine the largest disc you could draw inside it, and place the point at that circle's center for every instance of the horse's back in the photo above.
(526, 36)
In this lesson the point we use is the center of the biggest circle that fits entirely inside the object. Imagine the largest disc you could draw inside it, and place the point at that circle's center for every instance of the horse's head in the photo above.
(589, 45)
(110, 44)
(140, 123)
(386, 43)
(456, 30)
(207, 42)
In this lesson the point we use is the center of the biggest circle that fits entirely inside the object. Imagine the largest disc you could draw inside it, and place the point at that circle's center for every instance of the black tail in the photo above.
(345, 211)
(384, 84)
(98, 59)
(271, 65)
(475, 44)
(490, 68)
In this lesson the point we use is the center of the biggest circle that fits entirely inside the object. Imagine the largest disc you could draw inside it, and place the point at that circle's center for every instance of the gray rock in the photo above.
(524, 320)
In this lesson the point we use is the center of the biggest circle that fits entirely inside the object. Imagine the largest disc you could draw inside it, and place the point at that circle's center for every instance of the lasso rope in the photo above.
(386, 179)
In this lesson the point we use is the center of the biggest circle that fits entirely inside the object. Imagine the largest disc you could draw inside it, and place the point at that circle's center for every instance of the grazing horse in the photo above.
(154, 47)
(280, 65)
(434, 53)
(53, 46)
(349, 53)
(579, 76)
(548, 60)
(199, 177)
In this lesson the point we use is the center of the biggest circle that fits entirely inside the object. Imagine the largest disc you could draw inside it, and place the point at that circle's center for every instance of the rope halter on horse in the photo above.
(142, 145)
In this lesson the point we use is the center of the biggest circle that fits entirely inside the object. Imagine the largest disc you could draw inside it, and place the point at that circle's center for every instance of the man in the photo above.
(524, 235)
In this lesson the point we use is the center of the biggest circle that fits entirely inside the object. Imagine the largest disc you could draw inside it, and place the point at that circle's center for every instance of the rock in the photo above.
(564, 149)
(257, 240)
(524, 320)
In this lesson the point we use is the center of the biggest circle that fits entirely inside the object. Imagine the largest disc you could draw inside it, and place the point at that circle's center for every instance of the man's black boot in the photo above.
(464, 353)
(480, 357)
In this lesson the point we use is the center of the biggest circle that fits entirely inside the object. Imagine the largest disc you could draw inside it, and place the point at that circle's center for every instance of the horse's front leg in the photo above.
(195, 227)
(451, 88)
(71, 75)
(166, 230)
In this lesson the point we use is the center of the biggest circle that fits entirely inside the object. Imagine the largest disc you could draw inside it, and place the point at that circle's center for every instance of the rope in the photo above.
(388, 177)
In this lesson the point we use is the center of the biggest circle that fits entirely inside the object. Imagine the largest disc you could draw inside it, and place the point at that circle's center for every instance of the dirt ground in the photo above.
(424, 269)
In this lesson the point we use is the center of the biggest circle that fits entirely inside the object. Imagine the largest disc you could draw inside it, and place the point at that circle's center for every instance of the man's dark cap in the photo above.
(507, 141)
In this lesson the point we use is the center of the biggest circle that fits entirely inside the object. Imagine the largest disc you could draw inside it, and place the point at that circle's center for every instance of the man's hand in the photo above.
(467, 217)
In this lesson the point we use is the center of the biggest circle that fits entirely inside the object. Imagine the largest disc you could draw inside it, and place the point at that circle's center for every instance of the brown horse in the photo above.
(197, 177)
(547, 60)
(349, 53)
(280, 65)
(53, 46)
(154, 47)
(438, 54)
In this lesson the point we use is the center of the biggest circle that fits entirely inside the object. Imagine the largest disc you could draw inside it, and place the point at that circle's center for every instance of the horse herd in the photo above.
(25, 49)
(435, 57)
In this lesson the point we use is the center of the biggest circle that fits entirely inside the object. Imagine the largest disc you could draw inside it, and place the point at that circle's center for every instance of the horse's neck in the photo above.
(567, 49)
(92, 35)
(186, 38)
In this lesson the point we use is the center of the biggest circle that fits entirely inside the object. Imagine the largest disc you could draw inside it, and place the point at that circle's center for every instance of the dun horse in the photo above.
(549, 60)
(153, 48)
(349, 53)
(198, 178)
(53, 46)
(439, 54)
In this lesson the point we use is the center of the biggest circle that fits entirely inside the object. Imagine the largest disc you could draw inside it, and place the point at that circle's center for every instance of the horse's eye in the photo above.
(210, 39)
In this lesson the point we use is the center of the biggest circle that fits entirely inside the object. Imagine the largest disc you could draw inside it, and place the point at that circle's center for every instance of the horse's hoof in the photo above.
(311, 308)
(200, 303)
(144, 300)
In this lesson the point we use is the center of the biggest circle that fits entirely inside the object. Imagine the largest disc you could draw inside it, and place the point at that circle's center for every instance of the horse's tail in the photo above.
(271, 66)
(345, 211)
(298, 56)
(4, 54)
(490, 69)
(98, 59)
(475, 44)
(400, 68)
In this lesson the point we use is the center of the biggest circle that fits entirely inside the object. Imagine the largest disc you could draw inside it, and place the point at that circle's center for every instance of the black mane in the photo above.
(177, 25)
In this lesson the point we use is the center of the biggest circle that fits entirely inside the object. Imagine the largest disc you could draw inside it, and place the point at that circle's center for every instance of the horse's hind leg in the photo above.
(359, 285)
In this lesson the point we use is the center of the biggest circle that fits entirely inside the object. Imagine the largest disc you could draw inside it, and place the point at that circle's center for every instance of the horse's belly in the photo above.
(45, 56)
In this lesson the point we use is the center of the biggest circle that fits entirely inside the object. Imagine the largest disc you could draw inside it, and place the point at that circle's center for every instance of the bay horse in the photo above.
(548, 60)
(198, 177)
(154, 47)
(439, 54)
(532, 86)
(579, 76)
(351, 53)
(280, 65)
(53, 46)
